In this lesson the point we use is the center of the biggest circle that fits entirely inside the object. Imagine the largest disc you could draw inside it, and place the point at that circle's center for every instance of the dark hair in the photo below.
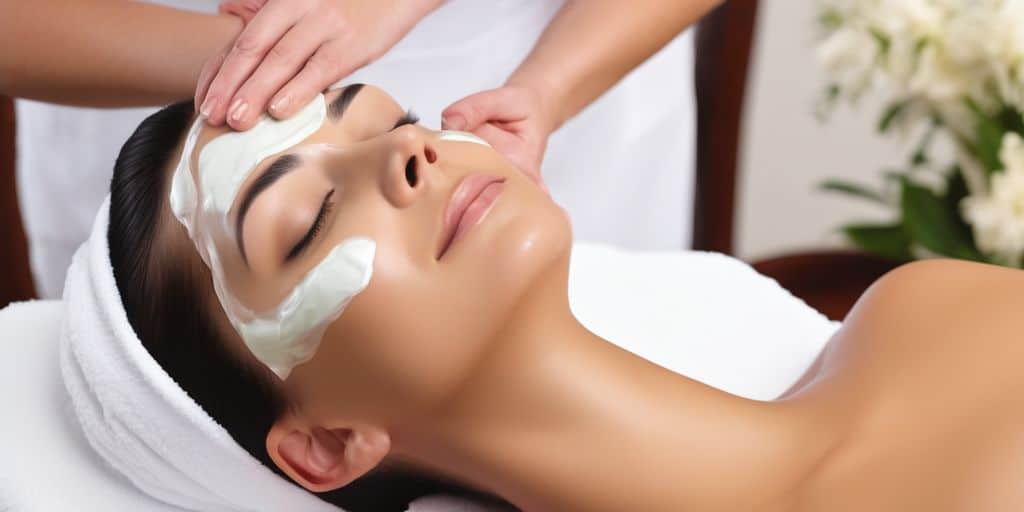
(167, 297)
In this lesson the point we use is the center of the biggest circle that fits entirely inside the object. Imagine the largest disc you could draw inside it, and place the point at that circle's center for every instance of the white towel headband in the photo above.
(138, 419)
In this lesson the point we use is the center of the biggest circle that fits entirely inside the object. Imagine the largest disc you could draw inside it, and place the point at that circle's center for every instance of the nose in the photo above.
(409, 167)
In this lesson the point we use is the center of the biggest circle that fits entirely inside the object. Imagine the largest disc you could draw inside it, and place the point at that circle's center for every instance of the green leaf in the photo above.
(883, 40)
(853, 189)
(934, 224)
(830, 18)
(919, 46)
(920, 156)
(827, 102)
(988, 135)
(1011, 121)
(894, 175)
(891, 113)
(832, 92)
(956, 188)
(889, 241)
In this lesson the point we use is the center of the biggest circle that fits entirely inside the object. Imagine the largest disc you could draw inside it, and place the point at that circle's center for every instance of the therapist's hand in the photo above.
(515, 119)
(290, 50)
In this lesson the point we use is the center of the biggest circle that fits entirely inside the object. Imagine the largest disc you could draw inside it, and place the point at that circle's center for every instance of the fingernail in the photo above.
(454, 122)
(208, 105)
(277, 108)
(238, 109)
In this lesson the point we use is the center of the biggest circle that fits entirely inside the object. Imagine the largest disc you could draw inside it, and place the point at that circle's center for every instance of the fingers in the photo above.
(512, 148)
(206, 75)
(325, 67)
(279, 66)
(245, 9)
(502, 104)
(256, 39)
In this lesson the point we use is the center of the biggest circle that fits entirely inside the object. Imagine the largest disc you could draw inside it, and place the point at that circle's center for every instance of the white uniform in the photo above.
(623, 168)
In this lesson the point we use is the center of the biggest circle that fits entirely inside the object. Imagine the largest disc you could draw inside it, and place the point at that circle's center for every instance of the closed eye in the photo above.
(325, 207)
(314, 229)
(409, 118)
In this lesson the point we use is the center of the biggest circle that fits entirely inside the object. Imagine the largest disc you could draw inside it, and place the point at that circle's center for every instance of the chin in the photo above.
(537, 242)
(523, 238)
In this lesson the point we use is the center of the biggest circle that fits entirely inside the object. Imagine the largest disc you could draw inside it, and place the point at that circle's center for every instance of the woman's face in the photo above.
(432, 305)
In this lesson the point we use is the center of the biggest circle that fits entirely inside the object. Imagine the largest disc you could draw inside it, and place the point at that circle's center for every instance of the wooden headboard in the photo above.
(724, 40)
(723, 44)
(16, 283)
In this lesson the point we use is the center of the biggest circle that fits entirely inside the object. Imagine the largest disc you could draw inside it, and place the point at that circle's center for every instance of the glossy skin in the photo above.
(474, 366)
(924, 385)
(364, 171)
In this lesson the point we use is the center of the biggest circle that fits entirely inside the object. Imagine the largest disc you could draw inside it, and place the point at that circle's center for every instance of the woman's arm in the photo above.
(591, 44)
(105, 53)
(588, 47)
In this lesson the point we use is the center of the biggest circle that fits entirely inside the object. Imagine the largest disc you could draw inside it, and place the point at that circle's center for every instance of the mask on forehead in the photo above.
(288, 334)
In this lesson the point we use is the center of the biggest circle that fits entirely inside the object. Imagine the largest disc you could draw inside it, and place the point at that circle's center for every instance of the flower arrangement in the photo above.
(951, 70)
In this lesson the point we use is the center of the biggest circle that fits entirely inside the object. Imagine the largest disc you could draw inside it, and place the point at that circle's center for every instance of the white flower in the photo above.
(997, 218)
(918, 18)
(1011, 152)
(1004, 48)
(849, 56)
(900, 61)
(937, 78)
(935, 51)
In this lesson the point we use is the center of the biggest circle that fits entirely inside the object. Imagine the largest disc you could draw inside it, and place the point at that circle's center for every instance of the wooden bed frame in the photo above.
(16, 280)
(829, 281)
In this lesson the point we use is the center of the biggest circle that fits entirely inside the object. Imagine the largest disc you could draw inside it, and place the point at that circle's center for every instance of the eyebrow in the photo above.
(281, 166)
(341, 102)
(284, 164)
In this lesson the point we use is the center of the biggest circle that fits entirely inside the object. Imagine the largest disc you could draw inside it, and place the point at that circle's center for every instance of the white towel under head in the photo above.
(138, 419)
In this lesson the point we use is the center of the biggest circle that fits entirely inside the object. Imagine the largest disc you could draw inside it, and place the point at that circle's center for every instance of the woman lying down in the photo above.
(375, 311)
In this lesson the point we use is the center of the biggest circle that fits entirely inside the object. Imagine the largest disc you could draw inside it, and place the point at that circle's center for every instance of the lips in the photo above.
(471, 199)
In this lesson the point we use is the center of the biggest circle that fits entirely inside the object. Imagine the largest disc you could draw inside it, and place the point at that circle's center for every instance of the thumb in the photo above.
(474, 110)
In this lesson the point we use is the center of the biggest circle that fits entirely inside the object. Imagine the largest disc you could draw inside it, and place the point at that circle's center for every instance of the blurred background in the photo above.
(786, 151)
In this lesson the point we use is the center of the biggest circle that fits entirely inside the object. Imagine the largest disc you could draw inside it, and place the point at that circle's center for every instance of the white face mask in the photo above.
(289, 334)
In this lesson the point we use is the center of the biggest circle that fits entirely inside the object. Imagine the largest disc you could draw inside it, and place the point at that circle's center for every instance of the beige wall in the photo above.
(786, 152)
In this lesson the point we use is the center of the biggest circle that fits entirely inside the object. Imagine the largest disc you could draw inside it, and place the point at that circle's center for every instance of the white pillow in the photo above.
(705, 315)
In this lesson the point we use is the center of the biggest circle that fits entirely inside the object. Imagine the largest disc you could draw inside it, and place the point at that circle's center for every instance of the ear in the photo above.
(322, 459)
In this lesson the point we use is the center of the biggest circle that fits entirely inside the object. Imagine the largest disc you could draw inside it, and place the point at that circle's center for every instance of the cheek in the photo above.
(409, 340)
(424, 331)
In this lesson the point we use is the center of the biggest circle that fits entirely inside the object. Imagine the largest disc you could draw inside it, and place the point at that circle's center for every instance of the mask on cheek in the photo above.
(457, 136)
(288, 334)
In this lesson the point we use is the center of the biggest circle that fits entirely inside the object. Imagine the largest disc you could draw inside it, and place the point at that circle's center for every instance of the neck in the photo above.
(557, 418)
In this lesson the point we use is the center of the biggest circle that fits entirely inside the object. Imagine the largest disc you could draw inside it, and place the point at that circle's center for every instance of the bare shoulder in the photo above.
(925, 374)
(942, 284)
(939, 271)
(915, 295)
